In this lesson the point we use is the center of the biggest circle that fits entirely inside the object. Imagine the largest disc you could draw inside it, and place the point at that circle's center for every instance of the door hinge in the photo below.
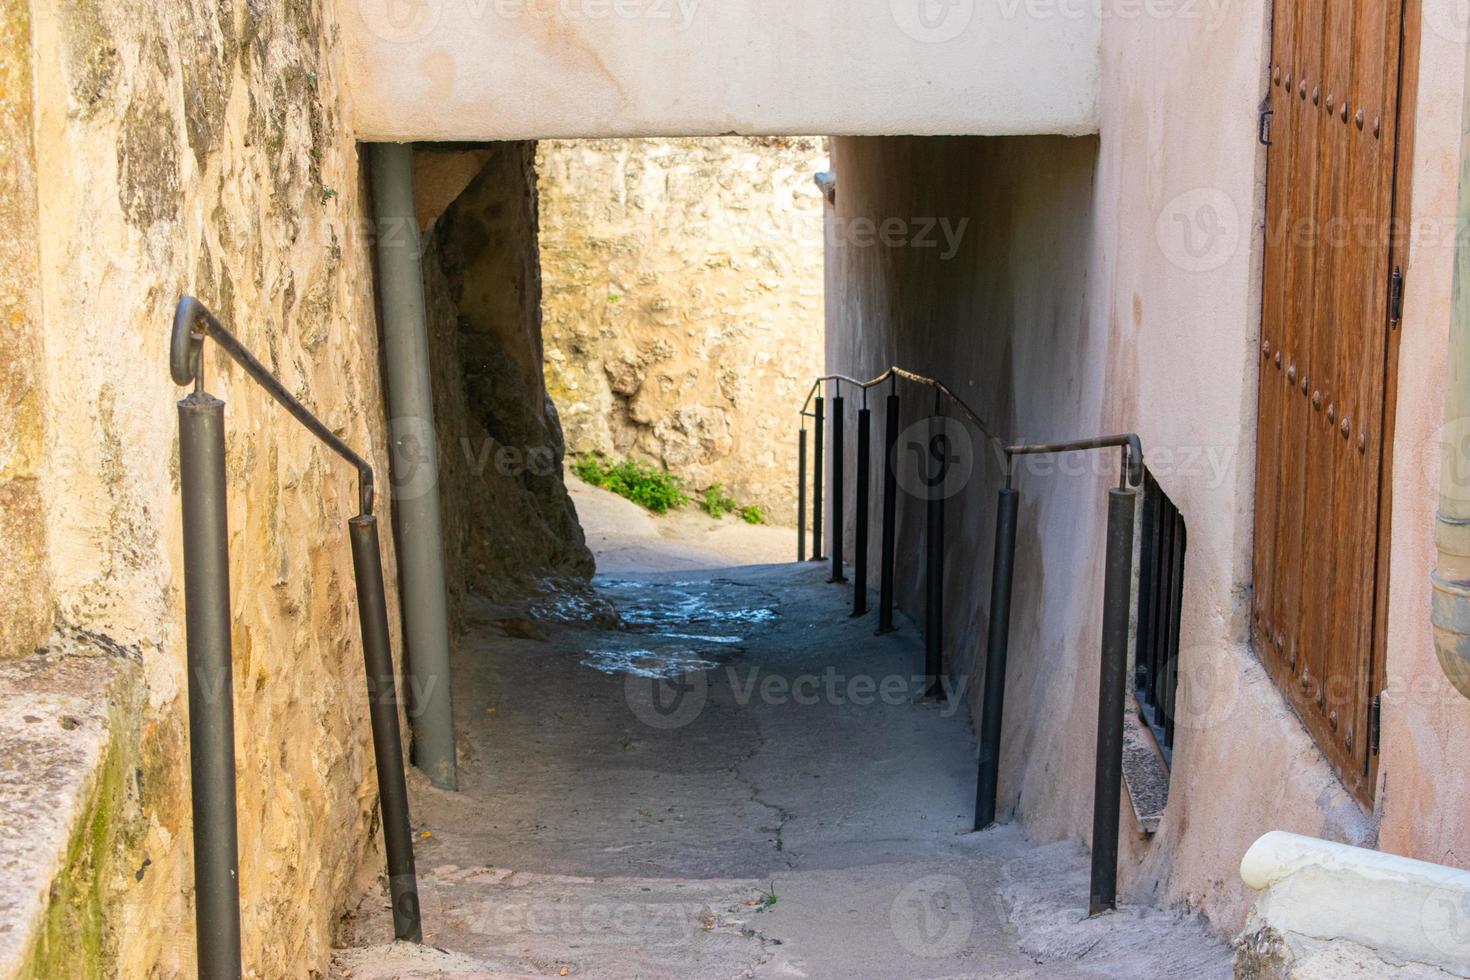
(1263, 124)
(1396, 297)
(1375, 722)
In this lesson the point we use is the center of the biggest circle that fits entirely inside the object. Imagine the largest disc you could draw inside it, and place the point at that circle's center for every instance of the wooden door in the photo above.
(1328, 346)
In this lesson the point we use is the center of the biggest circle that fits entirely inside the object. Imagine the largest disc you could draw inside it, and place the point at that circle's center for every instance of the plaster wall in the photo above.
(199, 147)
(1115, 286)
(1424, 769)
(518, 69)
(683, 303)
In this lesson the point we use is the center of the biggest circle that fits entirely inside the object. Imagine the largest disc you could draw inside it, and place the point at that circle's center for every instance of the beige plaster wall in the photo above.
(199, 147)
(533, 69)
(683, 303)
(1124, 294)
(1424, 777)
(23, 585)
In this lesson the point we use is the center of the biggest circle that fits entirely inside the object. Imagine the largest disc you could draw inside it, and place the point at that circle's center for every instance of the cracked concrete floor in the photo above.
(737, 781)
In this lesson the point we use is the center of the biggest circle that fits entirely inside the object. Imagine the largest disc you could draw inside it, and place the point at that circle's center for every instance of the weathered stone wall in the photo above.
(198, 147)
(23, 592)
(509, 524)
(683, 303)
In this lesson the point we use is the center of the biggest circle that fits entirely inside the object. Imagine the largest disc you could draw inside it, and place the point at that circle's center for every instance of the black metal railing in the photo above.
(1162, 540)
(207, 622)
(1117, 583)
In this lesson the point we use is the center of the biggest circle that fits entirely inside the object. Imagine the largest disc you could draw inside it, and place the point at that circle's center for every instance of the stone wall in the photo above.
(683, 303)
(199, 147)
(23, 592)
(509, 525)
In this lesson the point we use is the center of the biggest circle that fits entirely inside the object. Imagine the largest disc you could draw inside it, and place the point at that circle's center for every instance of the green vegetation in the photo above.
(717, 503)
(657, 490)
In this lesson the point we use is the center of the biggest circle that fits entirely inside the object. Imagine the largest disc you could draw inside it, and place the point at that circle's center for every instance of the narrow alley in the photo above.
(720, 773)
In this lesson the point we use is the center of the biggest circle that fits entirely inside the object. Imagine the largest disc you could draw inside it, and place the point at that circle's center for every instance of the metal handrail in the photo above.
(1128, 441)
(203, 492)
(1118, 578)
(193, 322)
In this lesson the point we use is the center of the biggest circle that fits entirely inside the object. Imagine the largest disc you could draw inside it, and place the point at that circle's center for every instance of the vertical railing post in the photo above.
(934, 560)
(996, 645)
(211, 685)
(382, 688)
(860, 535)
(839, 478)
(887, 545)
(1112, 681)
(801, 494)
(819, 424)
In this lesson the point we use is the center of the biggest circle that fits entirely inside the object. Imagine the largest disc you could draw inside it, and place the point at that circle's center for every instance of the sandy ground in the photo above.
(733, 778)
(626, 538)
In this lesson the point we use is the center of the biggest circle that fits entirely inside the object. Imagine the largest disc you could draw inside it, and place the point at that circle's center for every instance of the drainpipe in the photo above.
(1450, 612)
(415, 464)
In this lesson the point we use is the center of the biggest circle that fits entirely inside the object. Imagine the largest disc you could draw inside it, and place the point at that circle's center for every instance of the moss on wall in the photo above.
(78, 938)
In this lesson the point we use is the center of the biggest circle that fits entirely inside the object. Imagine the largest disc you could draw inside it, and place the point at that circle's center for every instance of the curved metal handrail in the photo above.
(898, 372)
(1129, 442)
(193, 322)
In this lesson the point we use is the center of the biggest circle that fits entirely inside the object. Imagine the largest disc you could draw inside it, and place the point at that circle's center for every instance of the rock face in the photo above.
(509, 524)
(683, 303)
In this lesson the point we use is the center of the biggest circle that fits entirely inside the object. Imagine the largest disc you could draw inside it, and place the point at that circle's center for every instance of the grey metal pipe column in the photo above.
(211, 686)
(382, 689)
(1107, 792)
(1450, 609)
(415, 464)
(997, 645)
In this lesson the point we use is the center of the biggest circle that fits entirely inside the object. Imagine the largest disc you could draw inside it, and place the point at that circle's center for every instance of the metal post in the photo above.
(934, 560)
(820, 423)
(372, 609)
(996, 645)
(839, 529)
(1112, 680)
(801, 495)
(415, 464)
(211, 685)
(890, 515)
(860, 537)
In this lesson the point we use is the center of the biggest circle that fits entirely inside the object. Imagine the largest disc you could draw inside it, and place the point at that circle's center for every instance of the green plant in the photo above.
(753, 514)
(717, 503)
(657, 490)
